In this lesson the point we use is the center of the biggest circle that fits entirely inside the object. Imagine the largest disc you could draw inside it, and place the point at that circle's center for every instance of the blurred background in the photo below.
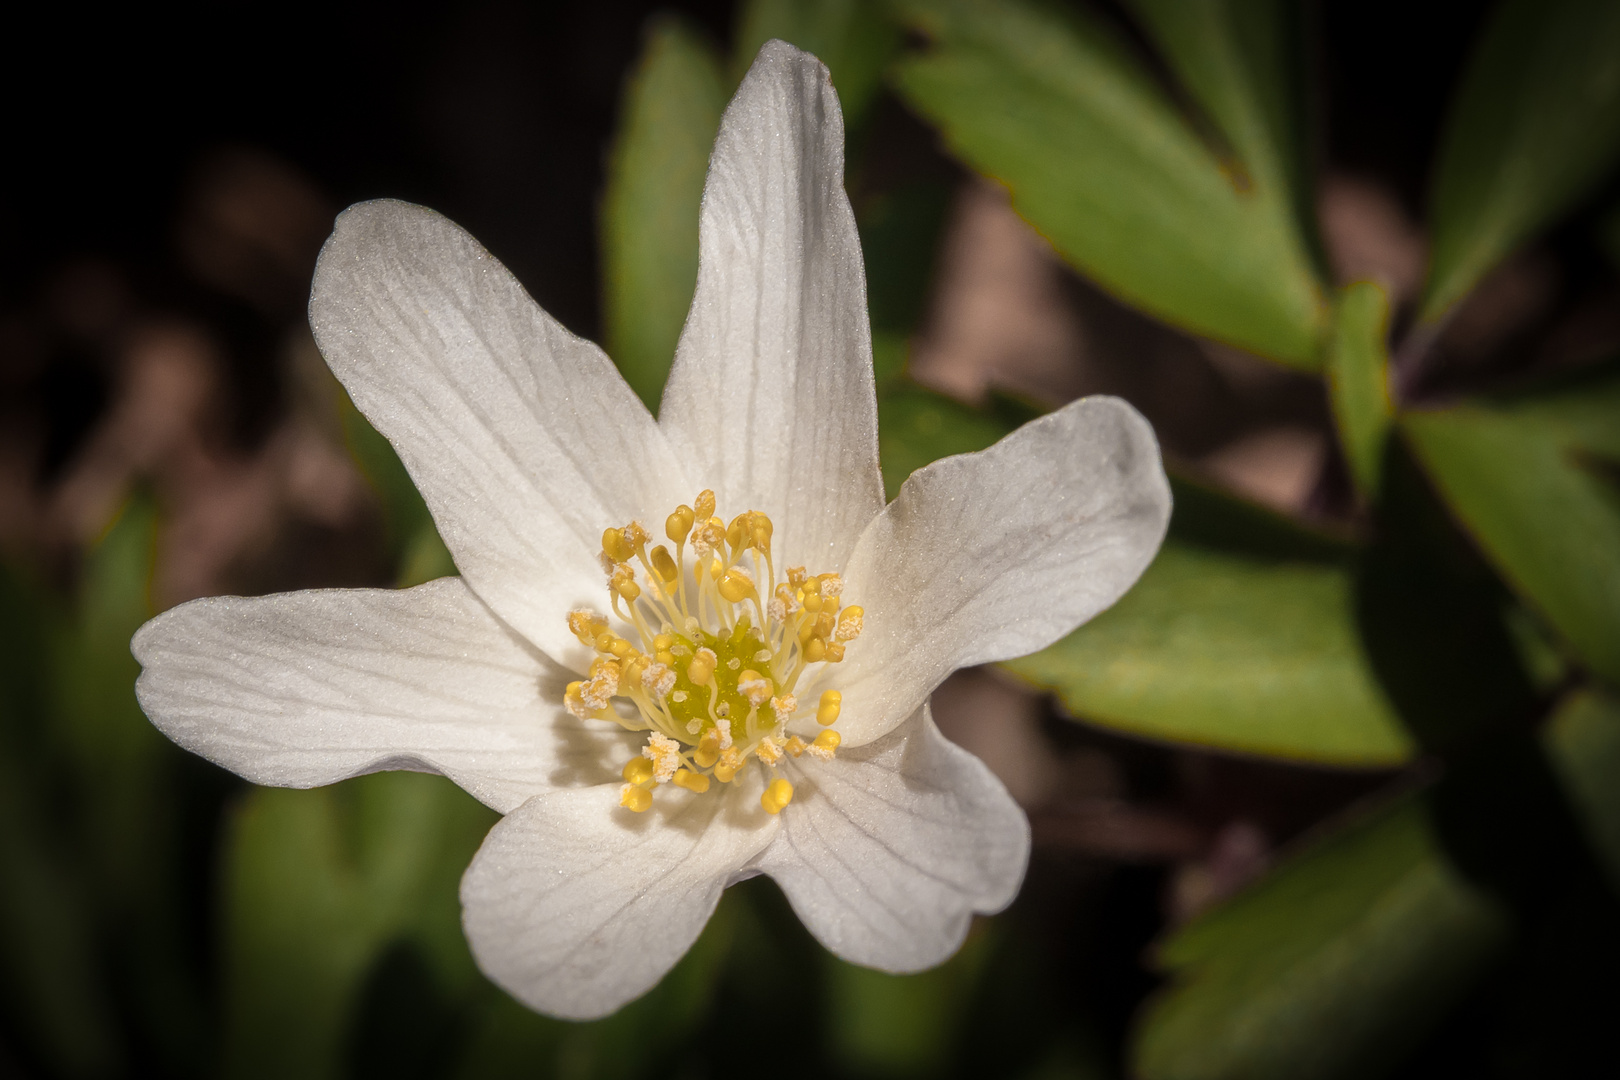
(1334, 792)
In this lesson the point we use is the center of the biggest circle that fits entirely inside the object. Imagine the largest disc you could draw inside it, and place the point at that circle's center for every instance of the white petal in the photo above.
(309, 688)
(887, 850)
(523, 439)
(993, 555)
(575, 906)
(771, 398)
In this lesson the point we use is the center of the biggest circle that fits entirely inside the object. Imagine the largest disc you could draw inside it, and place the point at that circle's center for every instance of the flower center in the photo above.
(715, 651)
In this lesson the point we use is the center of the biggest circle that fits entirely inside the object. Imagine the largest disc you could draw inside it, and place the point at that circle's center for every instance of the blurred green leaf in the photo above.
(1333, 965)
(1241, 636)
(854, 38)
(667, 123)
(318, 885)
(1583, 744)
(1098, 158)
(414, 543)
(902, 1025)
(1534, 125)
(1239, 60)
(1534, 478)
(1358, 381)
(49, 980)
(917, 426)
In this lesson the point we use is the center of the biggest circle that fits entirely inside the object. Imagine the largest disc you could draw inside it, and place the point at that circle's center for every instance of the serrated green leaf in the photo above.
(1534, 478)
(1241, 636)
(1358, 381)
(1583, 744)
(317, 885)
(1534, 126)
(1333, 965)
(667, 123)
(1097, 157)
(854, 38)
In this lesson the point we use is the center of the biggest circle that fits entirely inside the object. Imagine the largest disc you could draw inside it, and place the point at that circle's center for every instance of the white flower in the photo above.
(538, 461)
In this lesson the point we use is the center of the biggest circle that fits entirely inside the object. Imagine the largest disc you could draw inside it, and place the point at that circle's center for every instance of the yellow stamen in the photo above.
(827, 711)
(635, 798)
(692, 781)
(679, 524)
(638, 770)
(776, 796)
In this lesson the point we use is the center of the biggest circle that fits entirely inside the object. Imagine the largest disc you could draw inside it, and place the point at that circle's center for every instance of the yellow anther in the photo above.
(704, 505)
(815, 650)
(574, 700)
(708, 748)
(638, 770)
(762, 528)
(701, 669)
(692, 781)
(828, 740)
(826, 623)
(754, 686)
(850, 622)
(636, 666)
(738, 534)
(586, 625)
(635, 798)
(827, 711)
(835, 652)
(679, 524)
(726, 768)
(621, 648)
(666, 658)
(812, 600)
(795, 746)
(604, 641)
(664, 563)
(617, 547)
(737, 585)
(769, 751)
(784, 706)
(636, 536)
(797, 576)
(777, 796)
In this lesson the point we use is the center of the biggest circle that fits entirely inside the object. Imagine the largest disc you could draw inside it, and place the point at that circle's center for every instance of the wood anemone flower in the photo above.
(661, 700)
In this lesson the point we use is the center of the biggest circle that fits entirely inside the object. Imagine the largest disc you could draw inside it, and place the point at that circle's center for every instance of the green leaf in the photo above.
(1583, 743)
(1241, 636)
(1533, 478)
(667, 123)
(1534, 126)
(902, 1025)
(1333, 965)
(1098, 158)
(1239, 60)
(49, 981)
(318, 884)
(414, 543)
(1358, 381)
(918, 426)
(852, 37)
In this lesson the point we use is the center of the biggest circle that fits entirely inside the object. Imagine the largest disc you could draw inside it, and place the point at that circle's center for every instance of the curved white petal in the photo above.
(575, 906)
(888, 850)
(771, 400)
(309, 688)
(993, 555)
(522, 438)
